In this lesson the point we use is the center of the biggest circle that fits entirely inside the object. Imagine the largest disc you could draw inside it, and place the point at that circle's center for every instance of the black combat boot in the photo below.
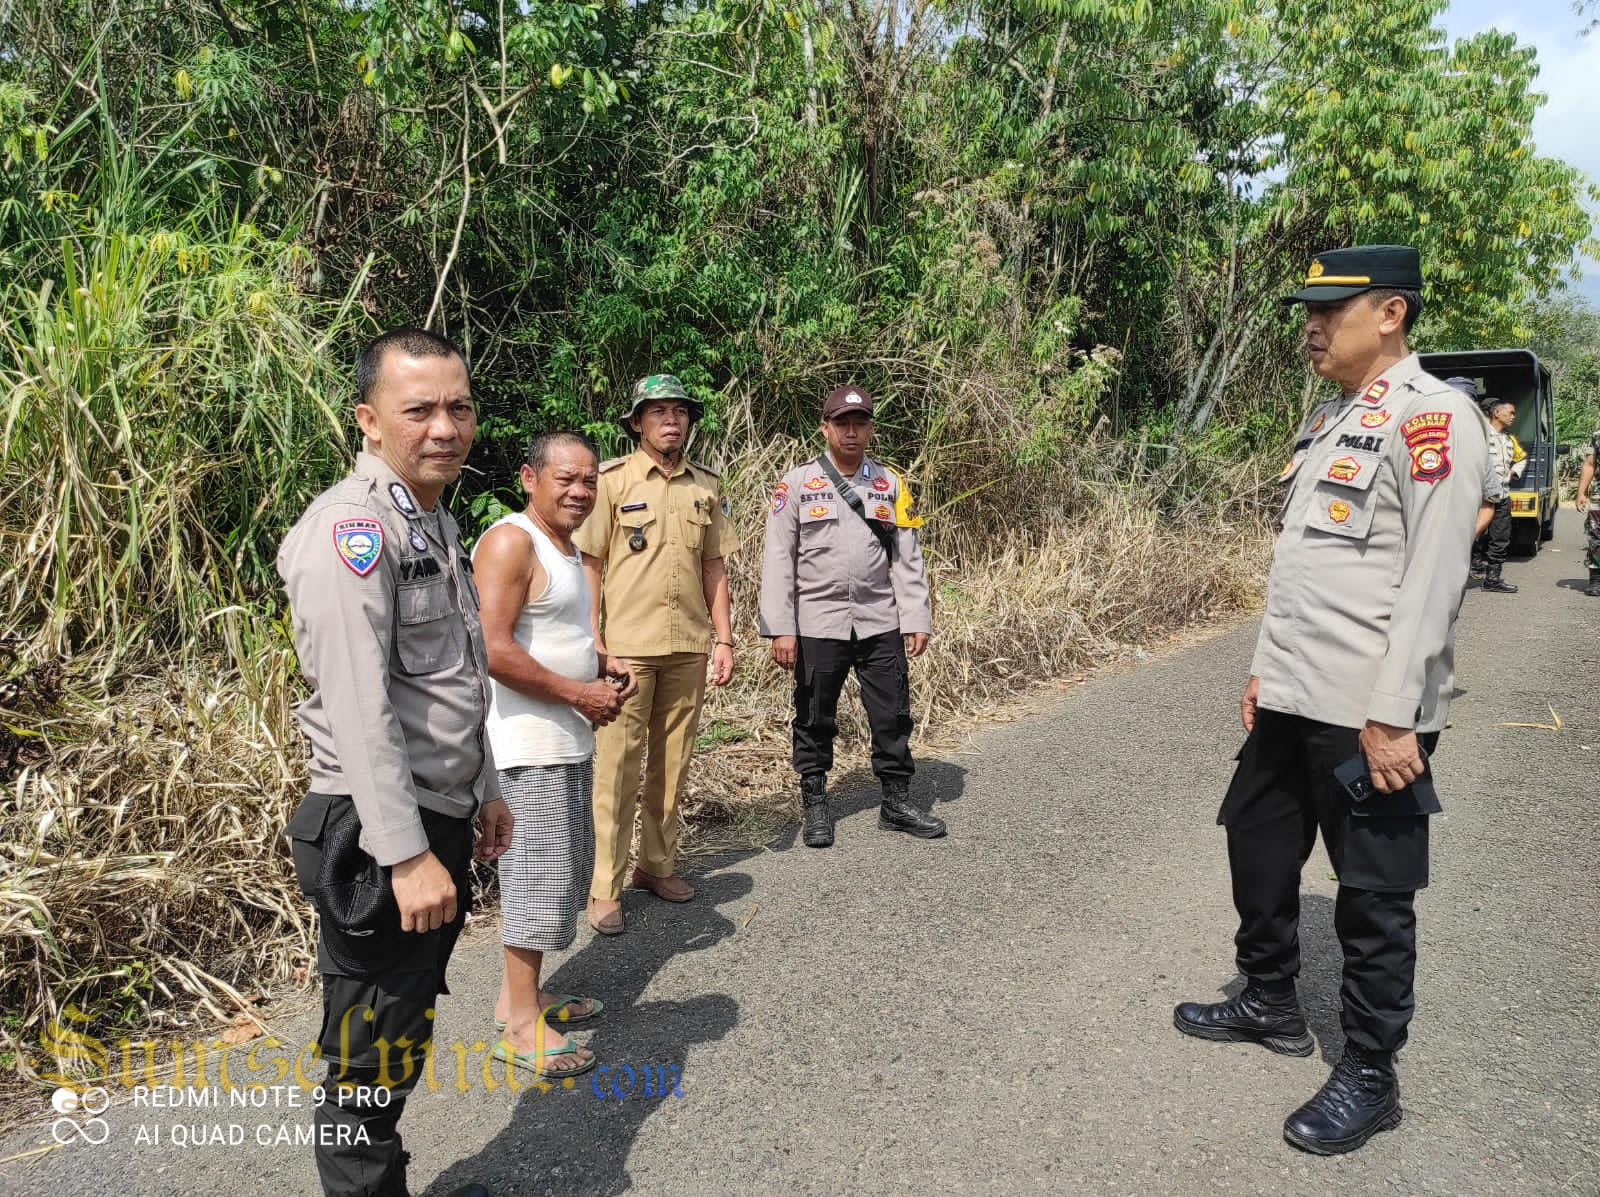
(1495, 584)
(818, 820)
(1255, 1016)
(1361, 1098)
(1593, 589)
(898, 814)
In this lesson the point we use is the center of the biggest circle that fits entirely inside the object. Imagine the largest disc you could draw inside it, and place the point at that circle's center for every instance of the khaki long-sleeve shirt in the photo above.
(386, 626)
(1368, 570)
(823, 571)
(652, 531)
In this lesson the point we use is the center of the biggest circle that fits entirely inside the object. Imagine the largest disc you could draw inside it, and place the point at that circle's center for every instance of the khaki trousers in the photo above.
(666, 712)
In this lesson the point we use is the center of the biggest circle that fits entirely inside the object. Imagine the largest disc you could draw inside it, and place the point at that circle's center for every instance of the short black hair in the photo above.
(413, 342)
(1413, 302)
(540, 444)
(1490, 402)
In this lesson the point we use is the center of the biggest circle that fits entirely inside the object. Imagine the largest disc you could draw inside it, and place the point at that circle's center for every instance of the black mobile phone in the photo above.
(1355, 779)
(1357, 782)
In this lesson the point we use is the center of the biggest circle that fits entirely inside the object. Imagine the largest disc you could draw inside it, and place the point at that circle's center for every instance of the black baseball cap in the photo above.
(1336, 274)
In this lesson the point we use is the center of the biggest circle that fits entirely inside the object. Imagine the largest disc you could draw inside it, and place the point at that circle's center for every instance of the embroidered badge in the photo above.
(1344, 469)
(401, 498)
(880, 483)
(1427, 436)
(780, 500)
(817, 512)
(1316, 425)
(418, 541)
(726, 510)
(1288, 470)
(882, 512)
(360, 544)
(816, 483)
(1376, 419)
(1375, 392)
(1338, 511)
(1430, 462)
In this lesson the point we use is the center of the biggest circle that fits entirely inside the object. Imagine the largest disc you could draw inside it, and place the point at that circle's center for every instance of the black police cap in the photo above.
(1336, 274)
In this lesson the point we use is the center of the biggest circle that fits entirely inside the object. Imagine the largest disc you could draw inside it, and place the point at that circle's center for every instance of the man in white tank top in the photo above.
(552, 688)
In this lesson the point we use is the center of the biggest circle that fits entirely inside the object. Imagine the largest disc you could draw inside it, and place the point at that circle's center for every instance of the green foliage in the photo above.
(1027, 225)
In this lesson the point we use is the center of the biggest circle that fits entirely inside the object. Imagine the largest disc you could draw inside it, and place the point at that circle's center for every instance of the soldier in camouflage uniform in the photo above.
(1591, 524)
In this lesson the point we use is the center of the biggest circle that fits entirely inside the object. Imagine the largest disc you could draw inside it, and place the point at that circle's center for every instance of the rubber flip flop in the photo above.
(534, 1062)
(596, 1007)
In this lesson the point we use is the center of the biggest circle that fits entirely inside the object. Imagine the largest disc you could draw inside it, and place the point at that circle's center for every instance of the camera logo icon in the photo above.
(89, 1104)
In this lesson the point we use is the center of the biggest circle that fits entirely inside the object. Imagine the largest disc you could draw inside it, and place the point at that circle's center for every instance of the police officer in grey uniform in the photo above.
(1353, 669)
(1494, 491)
(386, 628)
(842, 587)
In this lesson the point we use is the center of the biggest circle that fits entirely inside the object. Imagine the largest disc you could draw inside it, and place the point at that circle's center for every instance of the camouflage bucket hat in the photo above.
(657, 386)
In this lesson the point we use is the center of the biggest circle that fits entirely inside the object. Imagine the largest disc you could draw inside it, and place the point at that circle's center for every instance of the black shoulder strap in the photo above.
(853, 501)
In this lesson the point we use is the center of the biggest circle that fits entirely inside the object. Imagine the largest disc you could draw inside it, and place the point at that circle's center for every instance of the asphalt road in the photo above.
(993, 1011)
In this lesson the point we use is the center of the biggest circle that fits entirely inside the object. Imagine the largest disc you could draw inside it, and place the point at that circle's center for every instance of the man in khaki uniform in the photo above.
(386, 628)
(843, 587)
(653, 550)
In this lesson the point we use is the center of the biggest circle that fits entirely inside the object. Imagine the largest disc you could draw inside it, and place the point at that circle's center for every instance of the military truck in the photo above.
(1518, 375)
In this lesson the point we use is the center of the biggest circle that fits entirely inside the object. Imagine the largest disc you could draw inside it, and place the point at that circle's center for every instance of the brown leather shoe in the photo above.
(668, 889)
(611, 924)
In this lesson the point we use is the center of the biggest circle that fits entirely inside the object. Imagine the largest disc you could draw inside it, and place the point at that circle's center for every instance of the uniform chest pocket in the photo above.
(428, 635)
(694, 523)
(1344, 499)
(817, 519)
(634, 527)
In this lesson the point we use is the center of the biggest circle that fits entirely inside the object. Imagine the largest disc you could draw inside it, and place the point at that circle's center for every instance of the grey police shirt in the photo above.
(823, 572)
(386, 626)
(1369, 567)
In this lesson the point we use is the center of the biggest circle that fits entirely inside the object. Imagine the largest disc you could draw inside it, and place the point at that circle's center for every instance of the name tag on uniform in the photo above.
(633, 507)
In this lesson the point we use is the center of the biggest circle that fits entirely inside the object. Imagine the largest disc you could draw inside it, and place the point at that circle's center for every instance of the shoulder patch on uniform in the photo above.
(359, 543)
(905, 504)
(612, 464)
(1427, 436)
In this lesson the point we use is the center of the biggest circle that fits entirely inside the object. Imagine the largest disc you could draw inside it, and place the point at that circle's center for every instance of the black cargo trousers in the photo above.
(1284, 790)
(378, 997)
(1494, 542)
(820, 668)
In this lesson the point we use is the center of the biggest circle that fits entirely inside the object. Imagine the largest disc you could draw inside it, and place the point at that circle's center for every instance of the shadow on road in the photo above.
(857, 790)
(1321, 970)
(578, 1141)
